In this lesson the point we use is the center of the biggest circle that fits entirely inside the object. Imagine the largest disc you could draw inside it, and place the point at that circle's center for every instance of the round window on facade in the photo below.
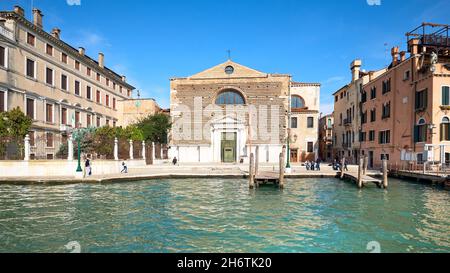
(229, 70)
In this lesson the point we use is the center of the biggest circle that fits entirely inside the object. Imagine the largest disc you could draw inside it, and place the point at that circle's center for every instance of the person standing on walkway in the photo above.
(318, 161)
(345, 165)
(87, 167)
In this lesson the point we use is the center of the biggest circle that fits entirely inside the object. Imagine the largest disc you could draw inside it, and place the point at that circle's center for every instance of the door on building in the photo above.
(371, 157)
(228, 147)
(294, 155)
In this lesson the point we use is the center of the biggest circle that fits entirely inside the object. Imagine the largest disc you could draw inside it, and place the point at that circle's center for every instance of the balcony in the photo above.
(7, 33)
(65, 128)
(347, 122)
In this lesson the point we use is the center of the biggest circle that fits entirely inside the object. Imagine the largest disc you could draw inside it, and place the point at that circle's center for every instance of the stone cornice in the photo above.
(67, 48)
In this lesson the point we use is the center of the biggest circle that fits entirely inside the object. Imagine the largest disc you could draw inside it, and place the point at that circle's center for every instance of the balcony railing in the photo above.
(347, 121)
(6, 32)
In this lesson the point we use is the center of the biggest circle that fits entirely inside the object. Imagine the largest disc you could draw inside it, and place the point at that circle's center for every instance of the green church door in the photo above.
(229, 143)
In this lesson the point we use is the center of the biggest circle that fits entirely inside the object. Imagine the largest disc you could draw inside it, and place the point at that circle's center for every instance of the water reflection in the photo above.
(191, 215)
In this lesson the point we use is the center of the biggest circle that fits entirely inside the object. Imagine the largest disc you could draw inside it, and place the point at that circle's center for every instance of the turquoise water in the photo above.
(192, 215)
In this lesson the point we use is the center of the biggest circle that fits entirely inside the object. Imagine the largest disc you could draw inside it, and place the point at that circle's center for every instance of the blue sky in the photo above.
(151, 41)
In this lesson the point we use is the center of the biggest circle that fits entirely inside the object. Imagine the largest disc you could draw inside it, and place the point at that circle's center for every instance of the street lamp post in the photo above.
(79, 169)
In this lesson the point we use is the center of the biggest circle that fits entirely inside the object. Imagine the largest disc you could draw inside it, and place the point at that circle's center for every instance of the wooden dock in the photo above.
(267, 177)
(365, 179)
(257, 178)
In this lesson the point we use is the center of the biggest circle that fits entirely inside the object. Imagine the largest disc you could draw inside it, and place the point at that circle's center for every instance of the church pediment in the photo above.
(229, 70)
(227, 120)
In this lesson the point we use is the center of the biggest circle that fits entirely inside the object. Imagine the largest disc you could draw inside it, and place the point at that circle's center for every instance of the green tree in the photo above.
(155, 128)
(103, 141)
(14, 126)
(15, 123)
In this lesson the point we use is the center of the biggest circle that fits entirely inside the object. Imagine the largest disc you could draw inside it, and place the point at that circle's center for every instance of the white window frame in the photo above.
(99, 123)
(53, 49)
(107, 100)
(53, 112)
(35, 68)
(79, 89)
(61, 114)
(53, 141)
(67, 58)
(100, 96)
(442, 88)
(53, 76)
(6, 56)
(88, 86)
(34, 106)
(87, 119)
(35, 39)
(34, 138)
(5, 97)
(67, 82)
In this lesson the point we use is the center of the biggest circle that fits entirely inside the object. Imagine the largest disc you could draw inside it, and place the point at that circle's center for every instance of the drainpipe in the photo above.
(288, 165)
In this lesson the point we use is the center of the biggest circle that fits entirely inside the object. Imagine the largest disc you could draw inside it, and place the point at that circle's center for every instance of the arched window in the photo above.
(230, 97)
(420, 131)
(297, 102)
(445, 129)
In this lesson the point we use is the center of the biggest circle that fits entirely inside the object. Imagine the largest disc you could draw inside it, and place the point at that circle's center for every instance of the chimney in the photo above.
(101, 60)
(124, 79)
(394, 53)
(355, 66)
(37, 18)
(81, 51)
(56, 32)
(19, 10)
(413, 46)
(402, 56)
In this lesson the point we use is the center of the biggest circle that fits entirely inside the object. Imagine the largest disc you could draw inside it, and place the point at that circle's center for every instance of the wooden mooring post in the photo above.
(360, 172)
(256, 160)
(282, 171)
(342, 168)
(366, 163)
(251, 175)
(385, 174)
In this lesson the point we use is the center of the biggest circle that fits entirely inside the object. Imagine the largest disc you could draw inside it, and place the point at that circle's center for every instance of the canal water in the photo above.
(192, 215)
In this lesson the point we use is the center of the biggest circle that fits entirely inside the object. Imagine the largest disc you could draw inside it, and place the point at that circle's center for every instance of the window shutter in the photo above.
(416, 134)
(442, 132)
(445, 96)
(447, 130)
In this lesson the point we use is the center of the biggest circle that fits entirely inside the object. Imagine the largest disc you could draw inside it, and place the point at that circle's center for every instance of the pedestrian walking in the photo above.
(124, 168)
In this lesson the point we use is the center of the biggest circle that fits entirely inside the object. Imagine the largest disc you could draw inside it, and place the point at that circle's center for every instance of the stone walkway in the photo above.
(181, 171)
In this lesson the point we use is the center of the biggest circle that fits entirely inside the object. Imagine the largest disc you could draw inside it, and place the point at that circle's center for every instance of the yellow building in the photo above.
(305, 105)
(58, 86)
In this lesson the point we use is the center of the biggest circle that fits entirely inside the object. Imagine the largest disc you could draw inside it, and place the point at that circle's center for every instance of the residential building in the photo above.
(410, 114)
(348, 116)
(305, 105)
(326, 138)
(58, 86)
